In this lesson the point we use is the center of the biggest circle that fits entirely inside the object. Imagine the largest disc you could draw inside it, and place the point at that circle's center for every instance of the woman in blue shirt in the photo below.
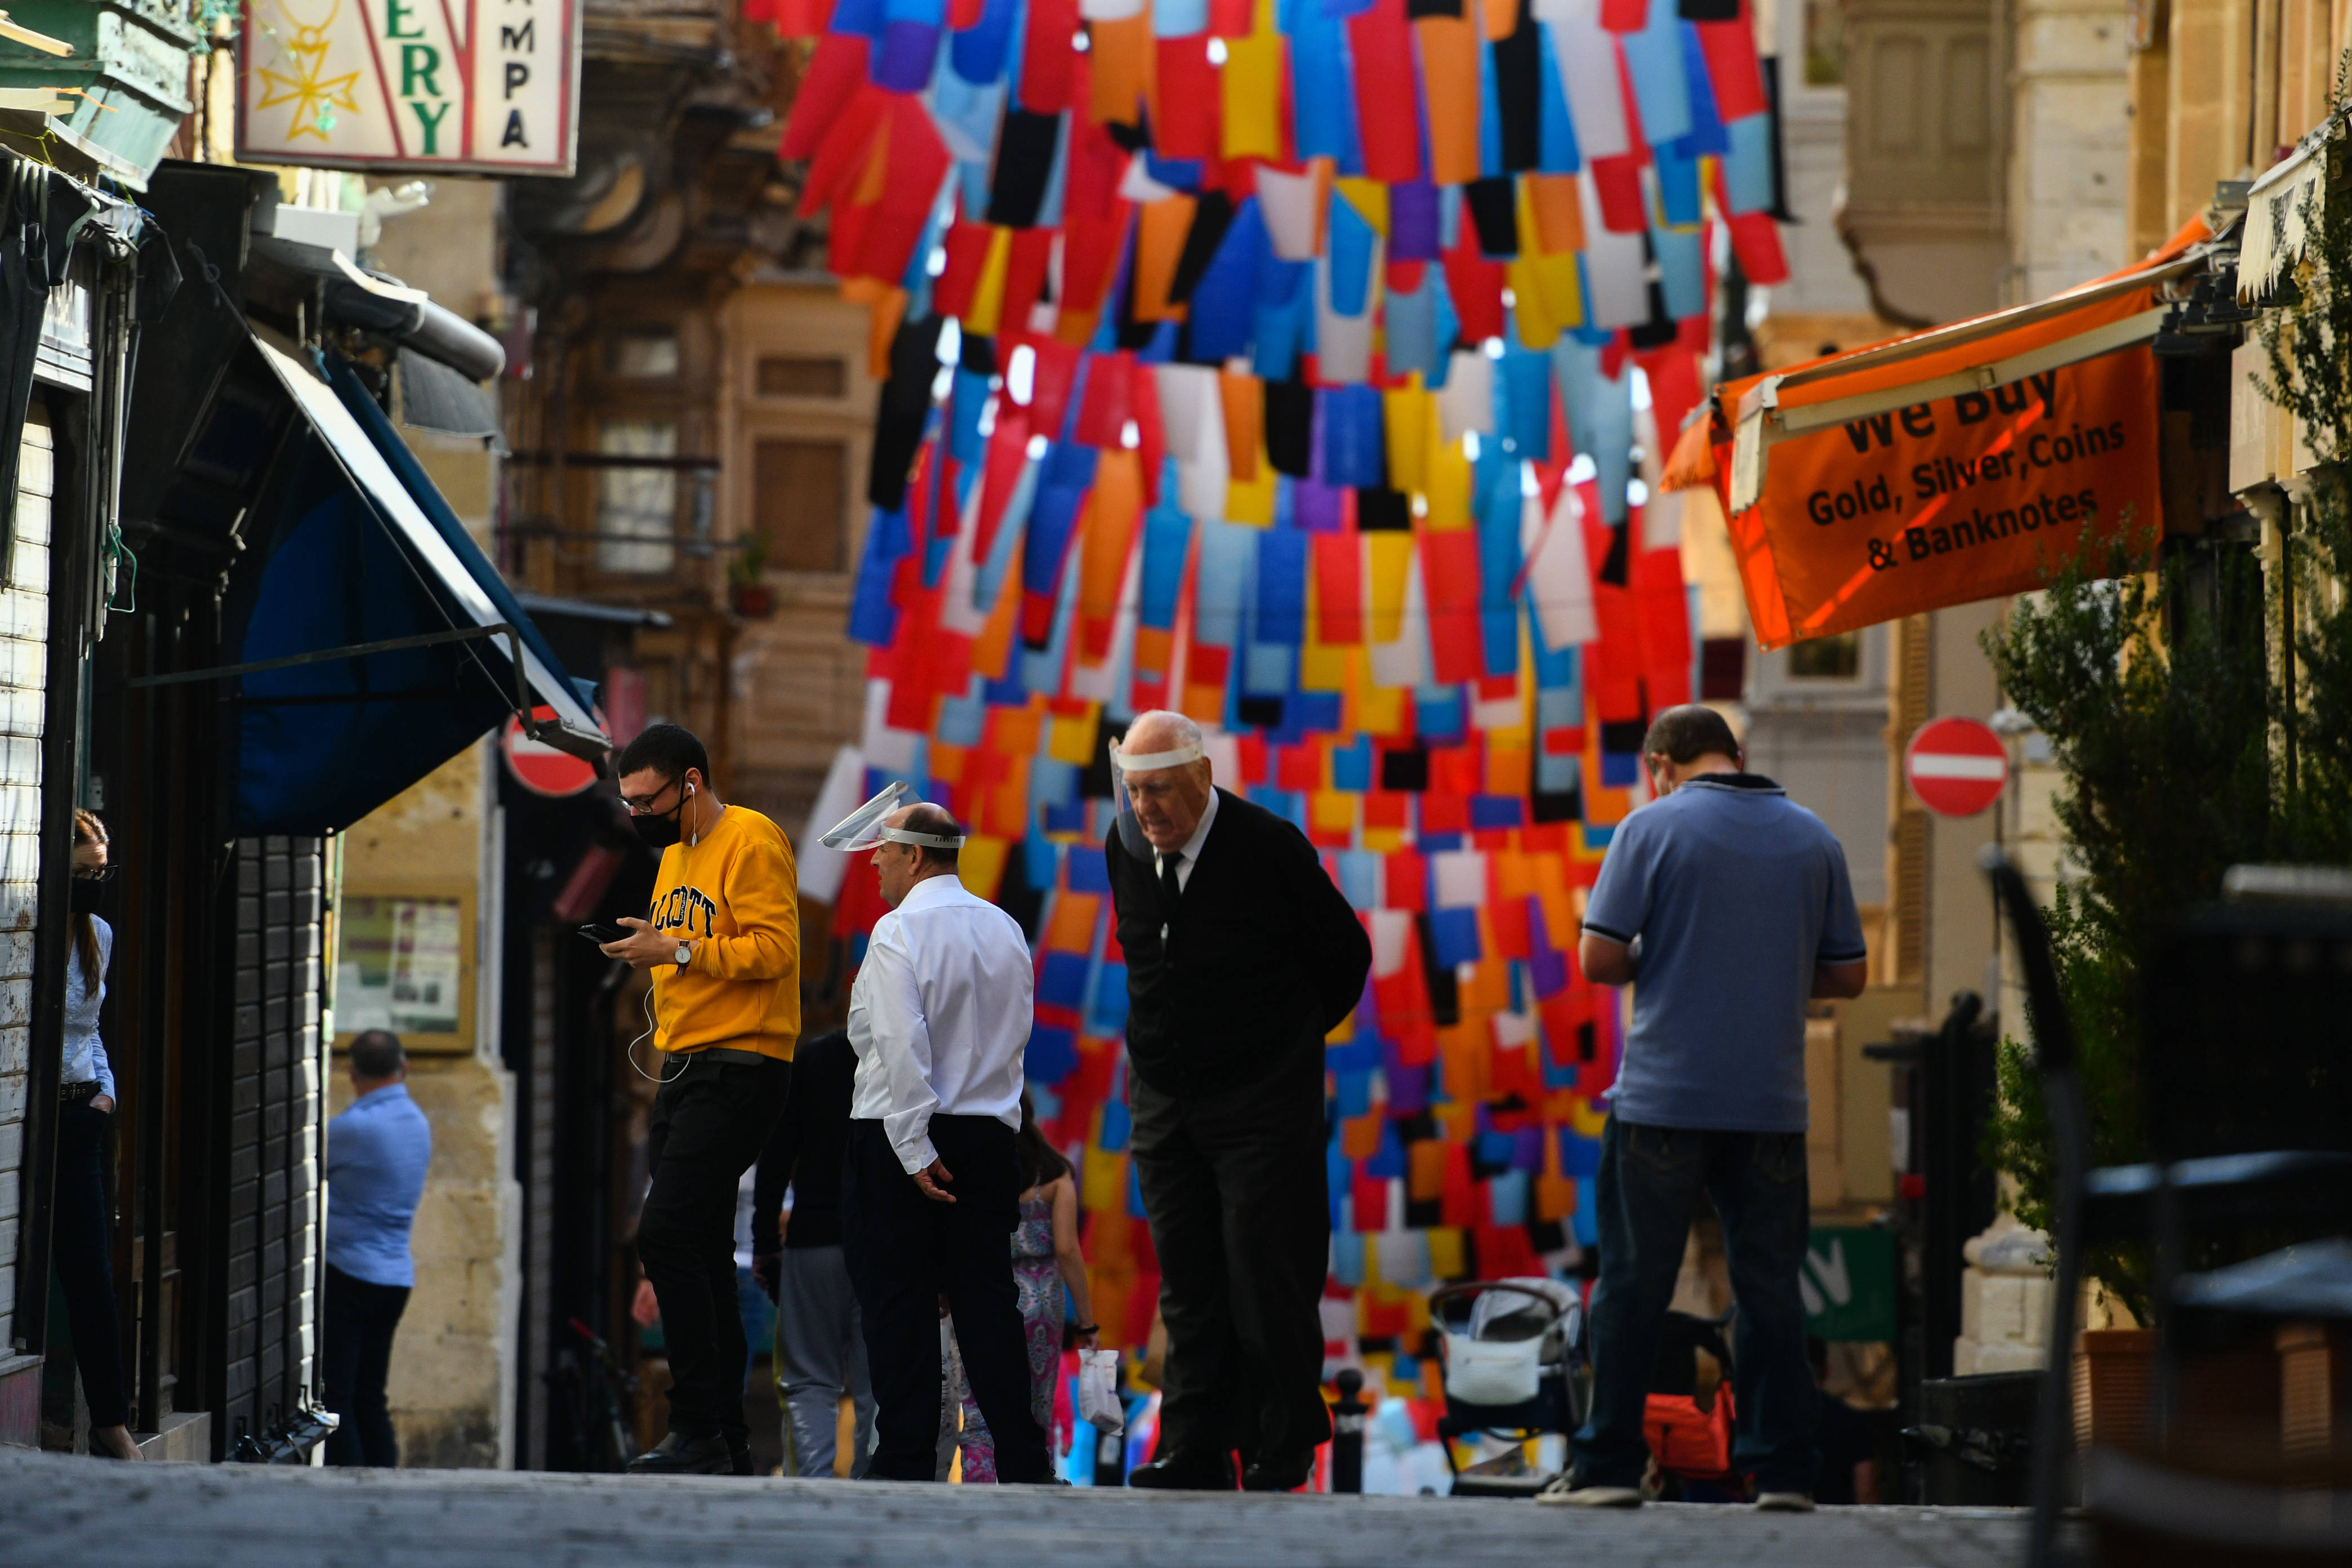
(82, 1246)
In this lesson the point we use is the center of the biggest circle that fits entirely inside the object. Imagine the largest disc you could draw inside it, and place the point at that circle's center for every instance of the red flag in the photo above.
(1046, 58)
(1388, 92)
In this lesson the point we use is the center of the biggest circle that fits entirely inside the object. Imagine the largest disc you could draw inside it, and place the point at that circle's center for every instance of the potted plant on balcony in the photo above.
(749, 594)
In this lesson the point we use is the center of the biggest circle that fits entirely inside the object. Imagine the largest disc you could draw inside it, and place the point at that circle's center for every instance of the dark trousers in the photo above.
(710, 1120)
(1234, 1187)
(1649, 1184)
(905, 1251)
(82, 1250)
(355, 1353)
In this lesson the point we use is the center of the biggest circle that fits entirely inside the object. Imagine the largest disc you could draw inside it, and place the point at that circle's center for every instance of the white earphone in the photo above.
(641, 1039)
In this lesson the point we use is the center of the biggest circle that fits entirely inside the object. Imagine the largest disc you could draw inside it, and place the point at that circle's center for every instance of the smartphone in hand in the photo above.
(602, 932)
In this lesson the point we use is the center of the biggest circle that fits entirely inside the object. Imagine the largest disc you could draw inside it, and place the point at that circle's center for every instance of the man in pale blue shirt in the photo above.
(1728, 908)
(377, 1152)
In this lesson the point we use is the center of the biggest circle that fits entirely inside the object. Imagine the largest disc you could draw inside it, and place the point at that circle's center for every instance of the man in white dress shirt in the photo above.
(939, 1018)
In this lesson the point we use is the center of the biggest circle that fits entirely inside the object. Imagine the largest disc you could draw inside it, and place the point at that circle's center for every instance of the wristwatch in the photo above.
(684, 955)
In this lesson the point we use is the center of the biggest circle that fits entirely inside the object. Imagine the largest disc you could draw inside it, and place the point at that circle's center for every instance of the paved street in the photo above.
(54, 1509)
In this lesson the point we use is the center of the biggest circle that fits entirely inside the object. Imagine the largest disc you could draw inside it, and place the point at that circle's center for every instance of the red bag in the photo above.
(1688, 1441)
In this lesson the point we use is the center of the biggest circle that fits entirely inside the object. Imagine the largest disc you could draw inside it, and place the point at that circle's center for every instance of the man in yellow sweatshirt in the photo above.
(724, 945)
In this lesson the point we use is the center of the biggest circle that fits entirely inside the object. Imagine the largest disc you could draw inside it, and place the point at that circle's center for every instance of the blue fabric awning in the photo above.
(391, 641)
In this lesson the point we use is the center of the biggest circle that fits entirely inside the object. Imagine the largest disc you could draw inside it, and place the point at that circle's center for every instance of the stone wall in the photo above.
(448, 248)
(798, 686)
(453, 1361)
(2070, 140)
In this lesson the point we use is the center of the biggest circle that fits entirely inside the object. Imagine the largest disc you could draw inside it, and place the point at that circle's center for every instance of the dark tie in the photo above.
(1169, 888)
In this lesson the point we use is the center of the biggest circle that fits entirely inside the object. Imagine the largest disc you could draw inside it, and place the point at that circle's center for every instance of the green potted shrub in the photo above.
(749, 592)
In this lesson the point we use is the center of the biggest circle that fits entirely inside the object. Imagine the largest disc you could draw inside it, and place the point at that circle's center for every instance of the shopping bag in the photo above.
(1493, 1372)
(1099, 1404)
(1689, 1442)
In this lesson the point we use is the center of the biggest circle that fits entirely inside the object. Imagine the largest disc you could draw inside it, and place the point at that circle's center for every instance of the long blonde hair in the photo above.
(88, 830)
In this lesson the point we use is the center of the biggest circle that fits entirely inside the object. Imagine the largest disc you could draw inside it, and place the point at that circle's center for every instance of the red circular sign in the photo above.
(540, 767)
(1956, 767)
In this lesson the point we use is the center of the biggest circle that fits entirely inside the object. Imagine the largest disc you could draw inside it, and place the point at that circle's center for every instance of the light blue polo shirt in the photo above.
(1738, 894)
(377, 1153)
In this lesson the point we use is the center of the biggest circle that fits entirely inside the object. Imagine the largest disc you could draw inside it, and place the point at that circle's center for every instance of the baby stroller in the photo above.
(1513, 1352)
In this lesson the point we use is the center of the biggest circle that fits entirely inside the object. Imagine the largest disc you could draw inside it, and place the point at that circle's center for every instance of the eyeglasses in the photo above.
(94, 873)
(651, 803)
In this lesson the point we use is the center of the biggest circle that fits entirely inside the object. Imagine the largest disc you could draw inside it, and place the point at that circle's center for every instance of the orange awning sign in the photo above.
(1957, 465)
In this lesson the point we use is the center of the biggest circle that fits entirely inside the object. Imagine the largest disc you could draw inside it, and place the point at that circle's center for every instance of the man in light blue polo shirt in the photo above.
(1726, 907)
(377, 1152)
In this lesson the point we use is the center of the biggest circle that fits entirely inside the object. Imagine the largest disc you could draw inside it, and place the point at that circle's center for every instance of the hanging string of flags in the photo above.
(1303, 367)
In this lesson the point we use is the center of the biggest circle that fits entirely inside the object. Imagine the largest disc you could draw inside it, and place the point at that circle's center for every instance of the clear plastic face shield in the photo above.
(1130, 828)
(863, 830)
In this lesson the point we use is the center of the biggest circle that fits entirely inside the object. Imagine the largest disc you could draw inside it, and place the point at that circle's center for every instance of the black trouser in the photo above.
(355, 1353)
(1233, 1184)
(905, 1251)
(1649, 1180)
(82, 1251)
(710, 1120)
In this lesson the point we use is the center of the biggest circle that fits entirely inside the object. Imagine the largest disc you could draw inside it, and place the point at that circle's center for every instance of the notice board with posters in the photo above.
(486, 87)
(404, 961)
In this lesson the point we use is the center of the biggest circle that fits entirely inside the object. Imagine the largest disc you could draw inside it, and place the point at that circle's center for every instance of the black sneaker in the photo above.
(679, 1455)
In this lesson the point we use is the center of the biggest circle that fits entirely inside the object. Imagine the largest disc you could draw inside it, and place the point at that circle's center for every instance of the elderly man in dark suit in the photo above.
(1241, 956)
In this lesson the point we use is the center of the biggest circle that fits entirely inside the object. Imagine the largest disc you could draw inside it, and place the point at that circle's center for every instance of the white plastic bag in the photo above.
(1492, 1371)
(1099, 1404)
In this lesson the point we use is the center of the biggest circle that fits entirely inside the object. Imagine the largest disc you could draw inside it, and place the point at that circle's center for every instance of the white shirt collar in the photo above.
(1191, 850)
(931, 890)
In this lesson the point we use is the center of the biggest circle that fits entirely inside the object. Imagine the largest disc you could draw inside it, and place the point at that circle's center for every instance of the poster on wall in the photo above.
(486, 87)
(399, 966)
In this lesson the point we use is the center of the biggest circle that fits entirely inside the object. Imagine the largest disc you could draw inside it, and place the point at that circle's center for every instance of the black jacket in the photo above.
(806, 1150)
(1263, 956)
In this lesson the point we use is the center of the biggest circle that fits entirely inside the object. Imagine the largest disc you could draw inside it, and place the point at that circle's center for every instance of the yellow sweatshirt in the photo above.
(736, 897)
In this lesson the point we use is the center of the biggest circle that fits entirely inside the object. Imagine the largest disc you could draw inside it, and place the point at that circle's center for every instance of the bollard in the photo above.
(1347, 1433)
(1110, 1459)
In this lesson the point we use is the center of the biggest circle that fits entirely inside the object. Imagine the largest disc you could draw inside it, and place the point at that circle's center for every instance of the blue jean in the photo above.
(1648, 1186)
(758, 1315)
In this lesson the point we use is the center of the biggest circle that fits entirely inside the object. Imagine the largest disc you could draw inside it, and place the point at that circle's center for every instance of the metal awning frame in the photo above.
(352, 650)
(552, 731)
(418, 547)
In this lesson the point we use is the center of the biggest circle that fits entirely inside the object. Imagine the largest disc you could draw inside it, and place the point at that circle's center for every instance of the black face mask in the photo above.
(660, 829)
(85, 896)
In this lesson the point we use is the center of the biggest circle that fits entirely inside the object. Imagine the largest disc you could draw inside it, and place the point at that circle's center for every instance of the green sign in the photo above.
(1848, 1280)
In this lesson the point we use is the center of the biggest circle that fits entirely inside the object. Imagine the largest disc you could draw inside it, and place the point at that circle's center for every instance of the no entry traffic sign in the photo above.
(1955, 766)
(540, 767)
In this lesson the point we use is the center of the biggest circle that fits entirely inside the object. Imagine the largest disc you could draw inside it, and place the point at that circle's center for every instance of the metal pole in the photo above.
(157, 874)
(1348, 1414)
(1111, 1452)
(2054, 1045)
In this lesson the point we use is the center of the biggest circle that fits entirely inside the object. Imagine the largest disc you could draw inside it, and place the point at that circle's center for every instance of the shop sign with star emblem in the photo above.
(457, 86)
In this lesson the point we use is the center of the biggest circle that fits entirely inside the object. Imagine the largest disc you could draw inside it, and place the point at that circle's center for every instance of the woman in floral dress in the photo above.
(1046, 1258)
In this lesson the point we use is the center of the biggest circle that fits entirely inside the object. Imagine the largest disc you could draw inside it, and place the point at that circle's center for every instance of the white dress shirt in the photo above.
(1191, 850)
(940, 1016)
